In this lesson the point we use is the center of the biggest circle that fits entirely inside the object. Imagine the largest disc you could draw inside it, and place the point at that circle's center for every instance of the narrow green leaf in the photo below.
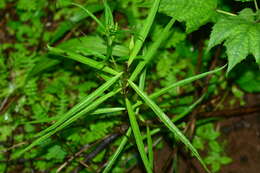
(96, 112)
(178, 84)
(76, 17)
(138, 136)
(189, 109)
(167, 122)
(69, 121)
(144, 32)
(183, 82)
(142, 80)
(152, 50)
(118, 151)
(77, 57)
(108, 15)
(86, 101)
(107, 110)
(141, 85)
(90, 14)
(150, 146)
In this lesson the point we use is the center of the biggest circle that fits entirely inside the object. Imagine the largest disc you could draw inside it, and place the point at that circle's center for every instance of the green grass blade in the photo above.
(152, 50)
(189, 109)
(138, 136)
(90, 14)
(69, 121)
(108, 15)
(142, 80)
(86, 101)
(178, 84)
(167, 122)
(77, 57)
(107, 110)
(96, 112)
(141, 85)
(150, 146)
(144, 32)
(76, 17)
(184, 82)
(118, 151)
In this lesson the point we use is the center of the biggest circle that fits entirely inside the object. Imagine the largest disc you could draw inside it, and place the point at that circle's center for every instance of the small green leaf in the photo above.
(225, 160)
(244, 0)
(215, 147)
(55, 152)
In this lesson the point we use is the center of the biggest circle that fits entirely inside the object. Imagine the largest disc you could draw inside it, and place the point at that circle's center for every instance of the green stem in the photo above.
(225, 12)
(256, 6)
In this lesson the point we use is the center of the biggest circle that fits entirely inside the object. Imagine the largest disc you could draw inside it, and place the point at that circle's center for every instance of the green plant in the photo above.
(215, 156)
(119, 59)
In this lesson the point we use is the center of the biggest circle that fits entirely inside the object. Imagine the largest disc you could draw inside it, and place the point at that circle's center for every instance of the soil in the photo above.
(242, 134)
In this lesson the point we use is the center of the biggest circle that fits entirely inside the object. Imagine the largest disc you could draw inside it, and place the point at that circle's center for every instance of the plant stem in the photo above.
(256, 6)
(225, 12)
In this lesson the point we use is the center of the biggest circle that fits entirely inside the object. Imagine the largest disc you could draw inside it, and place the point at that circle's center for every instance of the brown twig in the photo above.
(14, 146)
(83, 149)
(228, 113)
(103, 144)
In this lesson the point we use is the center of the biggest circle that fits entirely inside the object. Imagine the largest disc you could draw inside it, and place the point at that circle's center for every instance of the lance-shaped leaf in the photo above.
(77, 57)
(85, 102)
(152, 50)
(96, 112)
(167, 122)
(118, 151)
(138, 136)
(150, 146)
(69, 121)
(144, 32)
(184, 82)
(180, 83)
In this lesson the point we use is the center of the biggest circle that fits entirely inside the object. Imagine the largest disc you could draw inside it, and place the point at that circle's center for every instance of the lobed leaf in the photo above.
(241, 37)
(194, 12)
